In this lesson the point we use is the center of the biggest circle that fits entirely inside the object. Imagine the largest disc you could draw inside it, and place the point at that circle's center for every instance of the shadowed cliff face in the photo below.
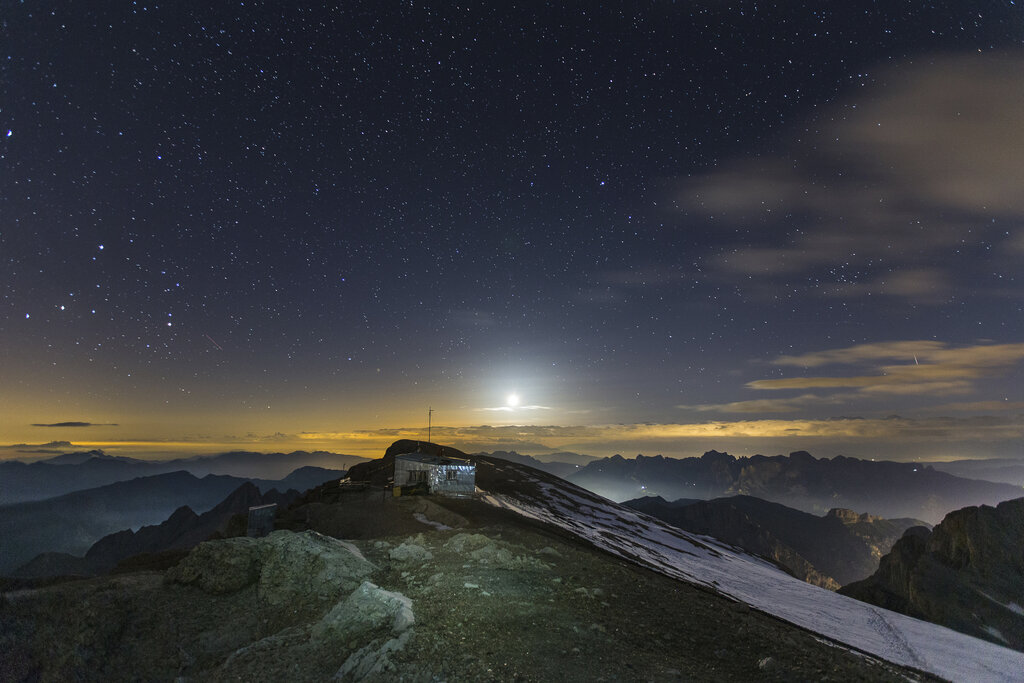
(967, 574)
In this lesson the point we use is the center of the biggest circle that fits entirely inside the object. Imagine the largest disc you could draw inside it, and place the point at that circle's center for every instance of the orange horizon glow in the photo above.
(830, 437)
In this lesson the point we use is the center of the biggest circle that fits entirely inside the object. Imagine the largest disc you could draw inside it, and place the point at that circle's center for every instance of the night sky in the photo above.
(646, 227)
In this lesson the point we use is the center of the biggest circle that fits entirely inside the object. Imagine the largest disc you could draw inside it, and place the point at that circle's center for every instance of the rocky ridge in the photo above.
(967, 573)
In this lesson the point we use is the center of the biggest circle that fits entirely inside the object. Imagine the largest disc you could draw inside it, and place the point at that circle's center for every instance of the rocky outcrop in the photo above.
(877, 533)
(286, 567)
(967, 573)
(304, 573)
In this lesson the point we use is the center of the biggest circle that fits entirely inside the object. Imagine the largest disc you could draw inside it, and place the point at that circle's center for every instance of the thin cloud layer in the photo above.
(766, 405)
(72, 424)
(924, 368)
(980, 355)
(885, 192)
(985, 428)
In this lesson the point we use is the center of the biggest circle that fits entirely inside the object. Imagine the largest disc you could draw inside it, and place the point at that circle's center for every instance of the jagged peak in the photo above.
(714, 455)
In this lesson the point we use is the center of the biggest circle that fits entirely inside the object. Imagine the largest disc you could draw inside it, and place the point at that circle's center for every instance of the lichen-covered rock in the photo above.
(309, 567)
(367, 608)
(220, 567)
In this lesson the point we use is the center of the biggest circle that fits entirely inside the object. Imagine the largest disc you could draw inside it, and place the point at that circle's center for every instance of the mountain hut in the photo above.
(440, 475)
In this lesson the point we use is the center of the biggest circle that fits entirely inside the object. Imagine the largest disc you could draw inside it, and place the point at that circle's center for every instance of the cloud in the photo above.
(49, 447)
(268, 438)
(894, 437)
(951, 127)
(905, 188)
(549, 437)
(769, 405)
(74, 424)
(484, 432)
(899, 387)
(980, 406)
(927, 368)
(979, 355)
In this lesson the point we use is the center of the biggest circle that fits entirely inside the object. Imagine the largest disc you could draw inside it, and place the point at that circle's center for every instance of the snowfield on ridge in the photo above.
(706, 561)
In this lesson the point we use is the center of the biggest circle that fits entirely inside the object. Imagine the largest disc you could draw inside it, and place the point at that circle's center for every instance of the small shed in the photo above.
(445, 476)
(261, 520)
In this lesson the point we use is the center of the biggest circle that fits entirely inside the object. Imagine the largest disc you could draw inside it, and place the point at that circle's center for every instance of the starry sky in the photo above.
(643, 227)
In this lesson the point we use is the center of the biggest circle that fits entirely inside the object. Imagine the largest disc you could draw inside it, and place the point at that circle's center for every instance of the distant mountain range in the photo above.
(184, 529)
(73, 522)
(21, 482)
(967, 573)
(828, 551)
(887, 489)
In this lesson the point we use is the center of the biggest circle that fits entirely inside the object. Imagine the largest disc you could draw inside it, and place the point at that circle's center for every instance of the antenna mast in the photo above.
(430, 412)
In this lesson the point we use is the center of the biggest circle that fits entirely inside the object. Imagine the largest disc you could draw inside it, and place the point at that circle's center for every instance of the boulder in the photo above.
(367, 608)
(287, 567)
(309, 567)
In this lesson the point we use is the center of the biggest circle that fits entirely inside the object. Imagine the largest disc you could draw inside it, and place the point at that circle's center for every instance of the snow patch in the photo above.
(708, 562)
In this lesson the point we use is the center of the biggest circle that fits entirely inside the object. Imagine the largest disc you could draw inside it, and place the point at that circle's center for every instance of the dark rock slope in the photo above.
(967, 574)
(828, 551)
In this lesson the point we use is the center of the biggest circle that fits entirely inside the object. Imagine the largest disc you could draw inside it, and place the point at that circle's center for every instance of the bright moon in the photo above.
(512, 400)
